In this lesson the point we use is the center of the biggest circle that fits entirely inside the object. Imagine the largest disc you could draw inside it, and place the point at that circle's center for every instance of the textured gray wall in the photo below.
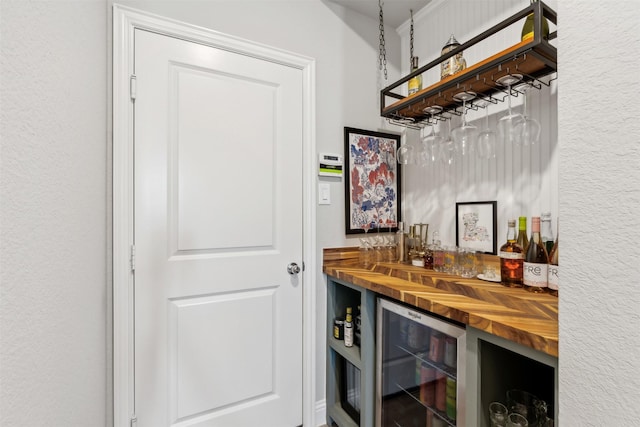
(53, 238)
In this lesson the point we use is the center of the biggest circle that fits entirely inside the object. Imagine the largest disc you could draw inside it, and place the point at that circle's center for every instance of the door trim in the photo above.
(125, 21)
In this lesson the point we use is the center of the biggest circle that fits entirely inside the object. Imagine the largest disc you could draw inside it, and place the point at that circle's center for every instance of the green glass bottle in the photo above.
(528, 30)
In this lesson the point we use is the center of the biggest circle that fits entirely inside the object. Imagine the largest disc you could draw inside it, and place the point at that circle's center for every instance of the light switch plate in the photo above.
(324, 193)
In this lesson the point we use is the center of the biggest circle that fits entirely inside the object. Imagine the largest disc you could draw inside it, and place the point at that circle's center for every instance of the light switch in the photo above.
(324, 193)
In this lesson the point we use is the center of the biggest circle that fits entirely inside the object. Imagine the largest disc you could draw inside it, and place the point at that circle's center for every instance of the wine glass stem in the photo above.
(509, 96)
(464, 112)
(486, 116)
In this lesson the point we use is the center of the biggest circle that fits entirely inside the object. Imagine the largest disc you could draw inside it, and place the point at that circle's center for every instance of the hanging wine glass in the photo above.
(507, 125)
(423, 151)
(466, 134)
(448, 148)
(405, 154)
(528, 128)
(433, 140)
(486, 139)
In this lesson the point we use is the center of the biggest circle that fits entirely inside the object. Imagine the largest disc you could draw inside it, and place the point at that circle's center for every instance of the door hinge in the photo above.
(132, 258)
(132, 87)
(134, 421)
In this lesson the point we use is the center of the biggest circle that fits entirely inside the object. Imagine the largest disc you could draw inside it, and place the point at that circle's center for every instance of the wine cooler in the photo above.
(420, 369)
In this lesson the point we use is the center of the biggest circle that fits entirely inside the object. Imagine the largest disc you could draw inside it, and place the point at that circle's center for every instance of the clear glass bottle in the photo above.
(545, 231)
(522, 239)
(536, 261)
(554, 270)
(511, 259)
(414, 84)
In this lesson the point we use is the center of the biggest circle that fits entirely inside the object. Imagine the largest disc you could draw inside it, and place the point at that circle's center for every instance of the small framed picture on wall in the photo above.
(476, 226)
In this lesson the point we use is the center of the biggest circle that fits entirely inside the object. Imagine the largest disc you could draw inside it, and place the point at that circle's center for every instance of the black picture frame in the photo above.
(372, 179)
(477, 226)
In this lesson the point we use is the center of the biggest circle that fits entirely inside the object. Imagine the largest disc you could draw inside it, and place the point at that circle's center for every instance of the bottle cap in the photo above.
(414, 63)
(511, 223)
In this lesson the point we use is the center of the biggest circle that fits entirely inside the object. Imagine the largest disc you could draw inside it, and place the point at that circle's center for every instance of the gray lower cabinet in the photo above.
(350, 370)
(494, 366)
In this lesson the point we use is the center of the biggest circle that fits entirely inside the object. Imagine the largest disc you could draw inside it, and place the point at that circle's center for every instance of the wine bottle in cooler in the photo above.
(511, 259)
(536, 261)
(553, 274)
(522, 239)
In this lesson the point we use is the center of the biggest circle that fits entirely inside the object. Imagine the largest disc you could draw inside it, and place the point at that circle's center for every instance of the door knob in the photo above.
(293, 268)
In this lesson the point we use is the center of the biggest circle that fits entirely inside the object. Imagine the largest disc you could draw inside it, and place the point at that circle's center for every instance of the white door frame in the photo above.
(125, 21)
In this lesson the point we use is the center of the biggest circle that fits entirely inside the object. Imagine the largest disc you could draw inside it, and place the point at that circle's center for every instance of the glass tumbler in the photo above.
(516, 420)
(467, 262)
(498, 414)
(450, 255)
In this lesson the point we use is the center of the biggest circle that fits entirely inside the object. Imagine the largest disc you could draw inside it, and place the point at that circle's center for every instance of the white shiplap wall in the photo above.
(522, 180)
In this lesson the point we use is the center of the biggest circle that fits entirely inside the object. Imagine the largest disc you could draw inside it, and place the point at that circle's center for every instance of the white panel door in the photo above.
(218, 217)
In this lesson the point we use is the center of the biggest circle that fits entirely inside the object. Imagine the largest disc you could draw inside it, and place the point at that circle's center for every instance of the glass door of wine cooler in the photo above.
(420, 372)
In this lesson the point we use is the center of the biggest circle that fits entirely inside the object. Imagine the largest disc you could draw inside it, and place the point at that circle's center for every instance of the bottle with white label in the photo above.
(536, 261)
(348, 329)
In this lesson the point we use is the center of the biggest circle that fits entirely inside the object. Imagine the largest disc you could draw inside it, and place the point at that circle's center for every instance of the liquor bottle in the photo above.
(528, 30)
(553, 274)
(522, 239)
(545, 231)
(536, 261)
(348, 329)
(511, 259)
(415, 84)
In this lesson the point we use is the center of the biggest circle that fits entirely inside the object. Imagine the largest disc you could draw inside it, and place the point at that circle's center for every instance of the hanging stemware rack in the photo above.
(533, 59)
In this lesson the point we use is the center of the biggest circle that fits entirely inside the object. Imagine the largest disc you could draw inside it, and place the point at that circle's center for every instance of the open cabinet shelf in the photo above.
(532, 59)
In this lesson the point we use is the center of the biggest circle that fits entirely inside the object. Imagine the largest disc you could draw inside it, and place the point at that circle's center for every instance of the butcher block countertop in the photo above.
(511, 313)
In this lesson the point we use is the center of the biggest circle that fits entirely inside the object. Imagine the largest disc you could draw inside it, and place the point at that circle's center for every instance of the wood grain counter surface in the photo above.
(511, 313)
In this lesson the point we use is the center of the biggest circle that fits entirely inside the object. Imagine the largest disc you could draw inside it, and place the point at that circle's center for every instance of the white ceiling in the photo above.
(394, 12)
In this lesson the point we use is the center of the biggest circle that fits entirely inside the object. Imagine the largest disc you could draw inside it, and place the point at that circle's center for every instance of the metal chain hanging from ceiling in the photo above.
(411, 41)
(382, 57)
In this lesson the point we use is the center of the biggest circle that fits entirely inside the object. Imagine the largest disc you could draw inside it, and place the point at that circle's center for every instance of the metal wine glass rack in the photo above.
(532, 59)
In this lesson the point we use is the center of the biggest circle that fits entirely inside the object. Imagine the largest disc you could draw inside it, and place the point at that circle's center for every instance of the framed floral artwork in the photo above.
(372, 181)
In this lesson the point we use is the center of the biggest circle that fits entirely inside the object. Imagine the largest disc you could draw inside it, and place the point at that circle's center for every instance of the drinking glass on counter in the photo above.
(450, 255)
(467, 262)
